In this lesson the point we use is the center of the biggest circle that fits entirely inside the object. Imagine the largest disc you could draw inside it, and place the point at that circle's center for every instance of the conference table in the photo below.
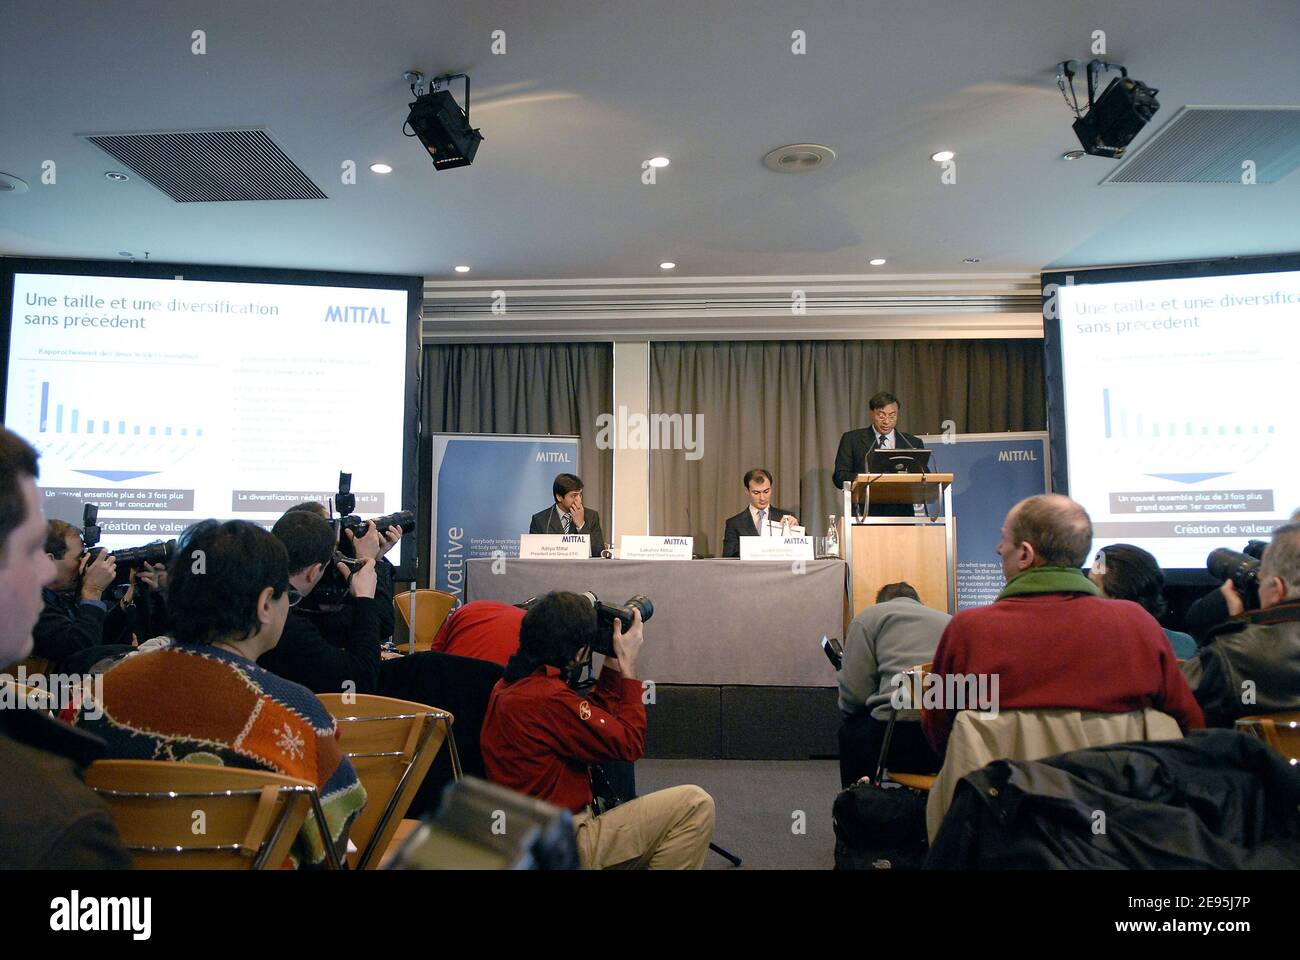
(720, 622)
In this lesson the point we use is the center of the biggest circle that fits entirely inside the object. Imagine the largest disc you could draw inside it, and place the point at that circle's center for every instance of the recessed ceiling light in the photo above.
(1073, 155)
(116, 177)
(658, 161)
(798, 157)
(667, 265)
(943, 156)
(970, 259)
(380, 168)
(877, 261)
(462, 269)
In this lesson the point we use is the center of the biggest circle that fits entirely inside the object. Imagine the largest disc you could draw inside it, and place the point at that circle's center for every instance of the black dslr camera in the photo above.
(159, 551)
(345, 502)
(1241, 568)
(607, 613)
(333, 588)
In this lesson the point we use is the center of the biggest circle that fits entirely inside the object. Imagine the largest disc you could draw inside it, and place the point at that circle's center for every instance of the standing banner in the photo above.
(486, 488)
(991, 473)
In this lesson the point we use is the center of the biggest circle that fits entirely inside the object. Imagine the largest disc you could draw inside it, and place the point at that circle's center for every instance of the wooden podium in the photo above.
(919, 550)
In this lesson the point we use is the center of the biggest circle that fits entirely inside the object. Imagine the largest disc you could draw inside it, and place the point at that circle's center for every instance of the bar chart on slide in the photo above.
(1184, 435)
(1120, 422)
(94, 432)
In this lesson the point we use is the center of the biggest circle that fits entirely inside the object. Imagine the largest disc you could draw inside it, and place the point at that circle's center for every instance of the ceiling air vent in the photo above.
(210, 166)
(1217, 145)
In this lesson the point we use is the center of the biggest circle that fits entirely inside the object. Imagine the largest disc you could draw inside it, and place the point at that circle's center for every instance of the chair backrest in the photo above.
(979, 738)
(31, 698)
(432, 607)
(202, 816)
(391, 744)
(1281, 731)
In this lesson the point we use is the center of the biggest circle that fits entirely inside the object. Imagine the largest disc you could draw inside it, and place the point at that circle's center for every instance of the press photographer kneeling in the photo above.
(542, 733)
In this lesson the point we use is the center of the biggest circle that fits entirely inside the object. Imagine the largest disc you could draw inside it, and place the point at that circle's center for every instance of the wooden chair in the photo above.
(917, 781)
(250, 818)
(1281, 731)
(432, 607)
(31, 697)
(391, 744)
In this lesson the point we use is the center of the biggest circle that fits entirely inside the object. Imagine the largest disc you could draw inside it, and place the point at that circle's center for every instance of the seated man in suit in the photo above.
(568, 515)
(752, 521)
(883, 434)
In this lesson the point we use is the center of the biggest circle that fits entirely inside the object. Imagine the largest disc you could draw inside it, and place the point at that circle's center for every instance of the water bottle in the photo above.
(832, 537)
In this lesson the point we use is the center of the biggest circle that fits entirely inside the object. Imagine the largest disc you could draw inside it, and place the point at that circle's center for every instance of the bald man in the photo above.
(1050, 637)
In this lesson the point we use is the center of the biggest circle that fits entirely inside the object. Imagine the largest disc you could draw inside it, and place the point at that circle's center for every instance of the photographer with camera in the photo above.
(1251, 663)
(305, 654)
(77, 627)
(542, 734)
(334, 616)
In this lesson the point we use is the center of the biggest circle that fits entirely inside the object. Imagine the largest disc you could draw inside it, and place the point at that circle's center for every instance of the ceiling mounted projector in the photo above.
(1114, 118)
(439, 122)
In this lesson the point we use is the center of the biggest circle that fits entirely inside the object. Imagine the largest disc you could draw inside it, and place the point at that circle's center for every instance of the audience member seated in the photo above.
(1050, 640)
(896, 633)
(335, 648)
(51, 819)
(77, 628)
(482, 629)
(204, 699)
(1251, 664)
(542, 735)
(1126, 572)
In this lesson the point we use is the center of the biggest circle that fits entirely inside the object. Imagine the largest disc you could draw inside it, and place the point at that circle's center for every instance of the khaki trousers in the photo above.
(665, 830)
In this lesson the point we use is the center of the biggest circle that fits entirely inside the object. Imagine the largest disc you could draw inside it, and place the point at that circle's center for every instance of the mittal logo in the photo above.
(340, 313)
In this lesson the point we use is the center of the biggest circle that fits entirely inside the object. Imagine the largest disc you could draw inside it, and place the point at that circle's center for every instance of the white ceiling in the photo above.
(587, 90)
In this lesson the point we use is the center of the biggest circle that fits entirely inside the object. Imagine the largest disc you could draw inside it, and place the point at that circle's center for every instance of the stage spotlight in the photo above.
(1114, 118)
(440, 123)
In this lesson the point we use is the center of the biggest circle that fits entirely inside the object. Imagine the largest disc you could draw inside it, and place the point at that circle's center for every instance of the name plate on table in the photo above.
(554, 546)
(655, 548)
(776, 548)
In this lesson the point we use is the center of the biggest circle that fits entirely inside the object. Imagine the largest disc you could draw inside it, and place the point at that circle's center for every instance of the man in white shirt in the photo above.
(883, 434)
(753, 521)
(568, 514)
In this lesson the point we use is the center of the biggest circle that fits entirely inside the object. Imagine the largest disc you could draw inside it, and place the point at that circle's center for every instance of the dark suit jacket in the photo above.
(742, 525)
(52, 820)
(851, 459)
(548, 521)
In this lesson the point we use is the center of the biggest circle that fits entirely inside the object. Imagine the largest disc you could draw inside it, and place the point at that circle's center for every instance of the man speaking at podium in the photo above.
(883, 434)
(568, 515)
(751, 521)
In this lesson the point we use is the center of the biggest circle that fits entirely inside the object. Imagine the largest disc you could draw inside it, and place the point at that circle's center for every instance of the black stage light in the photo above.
(444, 128)
(1117, 116)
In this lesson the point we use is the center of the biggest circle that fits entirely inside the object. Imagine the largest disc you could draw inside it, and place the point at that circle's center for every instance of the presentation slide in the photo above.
(167, 401)
(1178, 396)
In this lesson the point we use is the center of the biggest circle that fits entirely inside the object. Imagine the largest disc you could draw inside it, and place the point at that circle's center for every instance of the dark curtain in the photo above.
(522, 388)
(783, 405)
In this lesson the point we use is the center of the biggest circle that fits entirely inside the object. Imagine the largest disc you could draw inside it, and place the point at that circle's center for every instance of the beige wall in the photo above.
(631, 467)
